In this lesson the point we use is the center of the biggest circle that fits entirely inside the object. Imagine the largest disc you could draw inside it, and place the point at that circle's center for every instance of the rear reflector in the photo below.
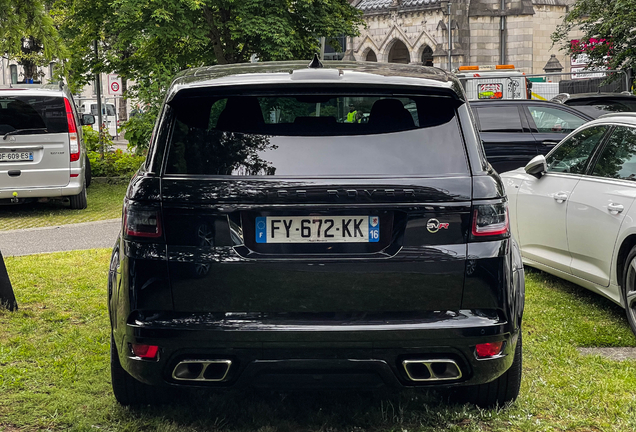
(142, 222)
(144, 351)
(487, 350)
(490, 220)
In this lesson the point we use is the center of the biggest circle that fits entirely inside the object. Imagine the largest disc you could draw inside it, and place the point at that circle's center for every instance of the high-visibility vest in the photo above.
(351, 117)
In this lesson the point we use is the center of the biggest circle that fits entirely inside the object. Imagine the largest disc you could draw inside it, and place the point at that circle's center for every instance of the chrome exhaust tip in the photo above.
(432, 370)
(201, 370)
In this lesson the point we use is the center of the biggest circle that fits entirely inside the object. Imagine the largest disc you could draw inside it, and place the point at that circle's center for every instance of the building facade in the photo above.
(482, 32)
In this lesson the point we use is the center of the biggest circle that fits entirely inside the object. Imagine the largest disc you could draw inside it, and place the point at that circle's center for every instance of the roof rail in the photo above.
(619, 114)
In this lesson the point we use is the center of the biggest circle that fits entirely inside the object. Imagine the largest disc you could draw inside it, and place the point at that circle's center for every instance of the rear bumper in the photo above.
(323, 355)
(74, 187)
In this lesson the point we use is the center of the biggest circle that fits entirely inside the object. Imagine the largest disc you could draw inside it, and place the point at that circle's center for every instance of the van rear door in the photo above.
(34, 142)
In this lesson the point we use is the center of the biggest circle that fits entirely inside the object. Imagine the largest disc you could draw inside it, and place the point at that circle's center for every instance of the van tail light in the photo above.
(142, 222)
(72, 132)
(490, 220)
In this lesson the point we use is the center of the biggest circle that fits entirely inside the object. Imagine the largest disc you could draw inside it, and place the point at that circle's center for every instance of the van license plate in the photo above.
(16, 156)
(318, 229)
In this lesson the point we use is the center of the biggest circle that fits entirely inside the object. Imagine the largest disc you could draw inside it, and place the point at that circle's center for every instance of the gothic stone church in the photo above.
(483, 32)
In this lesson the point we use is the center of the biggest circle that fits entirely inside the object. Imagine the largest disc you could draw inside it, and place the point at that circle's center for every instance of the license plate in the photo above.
(16, 156)
(318, 229)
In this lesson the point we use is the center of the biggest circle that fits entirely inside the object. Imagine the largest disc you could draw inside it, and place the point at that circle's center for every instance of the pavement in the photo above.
(87, 235)
(120, 143)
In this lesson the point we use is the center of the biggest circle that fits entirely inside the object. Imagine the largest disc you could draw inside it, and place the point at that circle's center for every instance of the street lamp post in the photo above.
(447, 5)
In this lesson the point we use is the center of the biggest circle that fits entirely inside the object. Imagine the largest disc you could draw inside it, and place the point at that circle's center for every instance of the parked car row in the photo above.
(267, 243)
(514, 131)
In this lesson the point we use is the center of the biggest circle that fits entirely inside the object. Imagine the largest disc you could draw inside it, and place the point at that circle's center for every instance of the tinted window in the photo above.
(554, 120)
(315, 135)
(499, 119)
(32, 112)
(571, 155)
(618, 159)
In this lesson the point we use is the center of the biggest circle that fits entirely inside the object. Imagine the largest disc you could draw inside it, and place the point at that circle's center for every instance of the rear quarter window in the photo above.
(498, 118)
(32, 112)
(315, 135)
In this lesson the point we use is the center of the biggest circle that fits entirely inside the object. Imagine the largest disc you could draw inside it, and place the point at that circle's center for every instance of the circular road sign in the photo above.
(114, 86)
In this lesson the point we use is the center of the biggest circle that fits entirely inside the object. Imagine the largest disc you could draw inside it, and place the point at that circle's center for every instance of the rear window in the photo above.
(32, 112)
(315, 135)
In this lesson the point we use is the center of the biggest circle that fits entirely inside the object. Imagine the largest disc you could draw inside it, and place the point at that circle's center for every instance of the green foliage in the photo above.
(149, 41)
(150, 90)
(28, 34)
(91, 139)
(138, 131)
(611, 21)
(115, 164)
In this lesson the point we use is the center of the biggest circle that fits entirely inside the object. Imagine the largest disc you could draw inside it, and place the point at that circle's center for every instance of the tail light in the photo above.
(72, 132)
(490, 220)
(142, 222)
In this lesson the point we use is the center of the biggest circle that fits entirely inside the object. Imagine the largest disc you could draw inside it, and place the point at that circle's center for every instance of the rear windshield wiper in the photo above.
(24, 131)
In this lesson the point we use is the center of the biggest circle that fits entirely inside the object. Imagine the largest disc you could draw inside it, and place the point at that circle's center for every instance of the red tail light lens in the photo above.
(490, 220)
(72, 132)
(487, 350)
(144, 351)
(142, 222)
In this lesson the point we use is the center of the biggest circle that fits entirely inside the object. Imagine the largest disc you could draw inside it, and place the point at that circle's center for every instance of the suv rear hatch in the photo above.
(34, 141)
(289, 203)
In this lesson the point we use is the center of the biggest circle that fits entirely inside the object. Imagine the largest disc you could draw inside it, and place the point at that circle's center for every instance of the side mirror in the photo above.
(537, 166)
(87, 119)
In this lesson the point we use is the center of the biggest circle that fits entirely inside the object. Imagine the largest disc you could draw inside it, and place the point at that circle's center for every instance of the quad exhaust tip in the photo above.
(201, 370)
(432, 370)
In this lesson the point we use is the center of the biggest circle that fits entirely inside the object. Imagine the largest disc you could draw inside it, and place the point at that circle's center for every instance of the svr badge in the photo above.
(433, 225)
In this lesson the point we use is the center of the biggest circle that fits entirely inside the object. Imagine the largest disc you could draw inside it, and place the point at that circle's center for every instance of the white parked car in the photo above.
(573, 210)
(42, 153)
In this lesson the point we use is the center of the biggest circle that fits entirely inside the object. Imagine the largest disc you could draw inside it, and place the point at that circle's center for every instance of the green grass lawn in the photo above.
(54, 371)
(104, 202)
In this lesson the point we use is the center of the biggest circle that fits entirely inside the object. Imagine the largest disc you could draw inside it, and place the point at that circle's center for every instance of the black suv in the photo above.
(271, 240)
(515, 131)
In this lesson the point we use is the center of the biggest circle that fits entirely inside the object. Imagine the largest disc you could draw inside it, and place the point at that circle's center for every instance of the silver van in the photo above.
(42, 152)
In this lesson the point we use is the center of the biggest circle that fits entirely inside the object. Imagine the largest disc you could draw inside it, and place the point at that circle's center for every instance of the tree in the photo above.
(149, 41)
(28, 34)
(608, 36)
